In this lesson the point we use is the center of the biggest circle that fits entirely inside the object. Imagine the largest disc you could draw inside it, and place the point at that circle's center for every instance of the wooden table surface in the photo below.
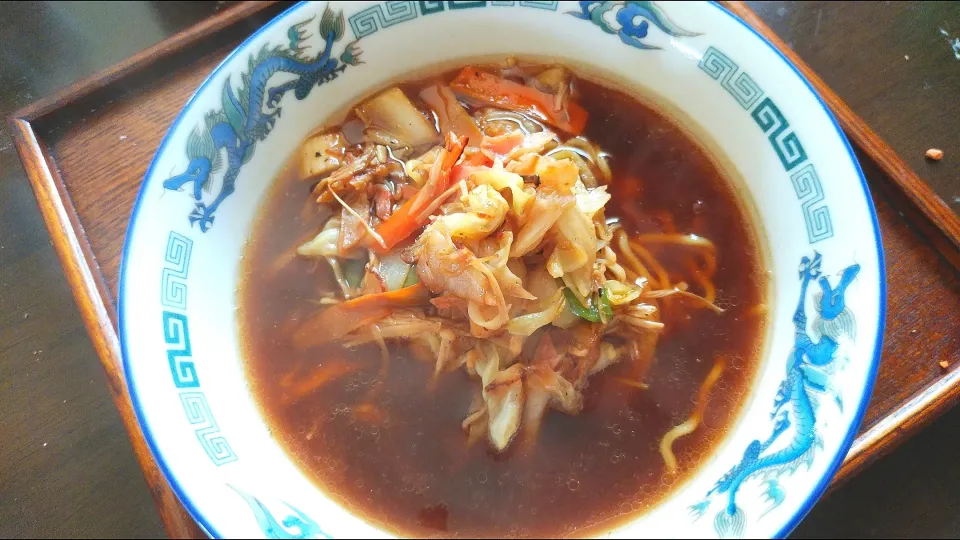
(66, 467)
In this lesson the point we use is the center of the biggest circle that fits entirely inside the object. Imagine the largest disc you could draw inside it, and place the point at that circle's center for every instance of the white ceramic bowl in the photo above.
(721, 80)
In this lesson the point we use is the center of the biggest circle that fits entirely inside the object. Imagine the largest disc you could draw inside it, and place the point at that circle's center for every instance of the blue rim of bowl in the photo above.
(804, 509)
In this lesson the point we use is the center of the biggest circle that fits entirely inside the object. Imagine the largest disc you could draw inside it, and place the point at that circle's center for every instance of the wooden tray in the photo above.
(86, 151)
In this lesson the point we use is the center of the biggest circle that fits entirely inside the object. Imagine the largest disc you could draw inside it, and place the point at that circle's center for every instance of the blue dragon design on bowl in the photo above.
(809, 367)
(294, 525)
(632, 19)
(248, 116)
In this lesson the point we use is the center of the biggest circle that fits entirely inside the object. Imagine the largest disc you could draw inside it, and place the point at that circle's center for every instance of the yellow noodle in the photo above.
(684, 239)
(637, 322)
(663, 293)
(688, 240)
(652, 262)
(688, 427)
(632, 261)
(709, 290)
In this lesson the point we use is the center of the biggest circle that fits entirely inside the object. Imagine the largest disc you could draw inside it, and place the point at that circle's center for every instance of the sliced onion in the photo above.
(324, 244)
(526, 325)
(393, 271)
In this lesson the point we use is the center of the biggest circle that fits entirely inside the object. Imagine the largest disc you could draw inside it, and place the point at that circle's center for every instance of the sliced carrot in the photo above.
(397, 227)
(340, 319)
(514, 96)
(403, 222)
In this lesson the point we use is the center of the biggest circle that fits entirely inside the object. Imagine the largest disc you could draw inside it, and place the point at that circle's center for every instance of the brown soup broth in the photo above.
(411, 470)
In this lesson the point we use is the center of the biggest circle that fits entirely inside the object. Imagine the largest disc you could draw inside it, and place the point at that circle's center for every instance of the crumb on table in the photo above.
(935, 154)
(944, 364)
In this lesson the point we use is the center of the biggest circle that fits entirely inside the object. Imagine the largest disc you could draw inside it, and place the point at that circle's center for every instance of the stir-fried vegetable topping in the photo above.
(477, 250)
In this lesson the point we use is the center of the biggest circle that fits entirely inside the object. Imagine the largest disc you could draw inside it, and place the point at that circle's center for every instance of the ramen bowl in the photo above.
(707, 70)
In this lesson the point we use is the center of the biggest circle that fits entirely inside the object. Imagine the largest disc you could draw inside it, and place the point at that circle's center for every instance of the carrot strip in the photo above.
(403, 222)
(513, 96)
(397, 227)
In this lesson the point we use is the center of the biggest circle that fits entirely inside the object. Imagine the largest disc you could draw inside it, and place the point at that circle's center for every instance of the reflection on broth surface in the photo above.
(512, 286)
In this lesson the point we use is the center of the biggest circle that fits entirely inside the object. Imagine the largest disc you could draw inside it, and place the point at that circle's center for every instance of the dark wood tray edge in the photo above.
(940, 225)
(142, 60)
(90, 290)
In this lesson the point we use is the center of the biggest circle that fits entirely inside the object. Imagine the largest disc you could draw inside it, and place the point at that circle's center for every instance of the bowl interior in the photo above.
(713, 75)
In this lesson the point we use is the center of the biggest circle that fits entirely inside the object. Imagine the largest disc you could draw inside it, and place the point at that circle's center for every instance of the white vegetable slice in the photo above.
(318, 155)
(391, 111)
